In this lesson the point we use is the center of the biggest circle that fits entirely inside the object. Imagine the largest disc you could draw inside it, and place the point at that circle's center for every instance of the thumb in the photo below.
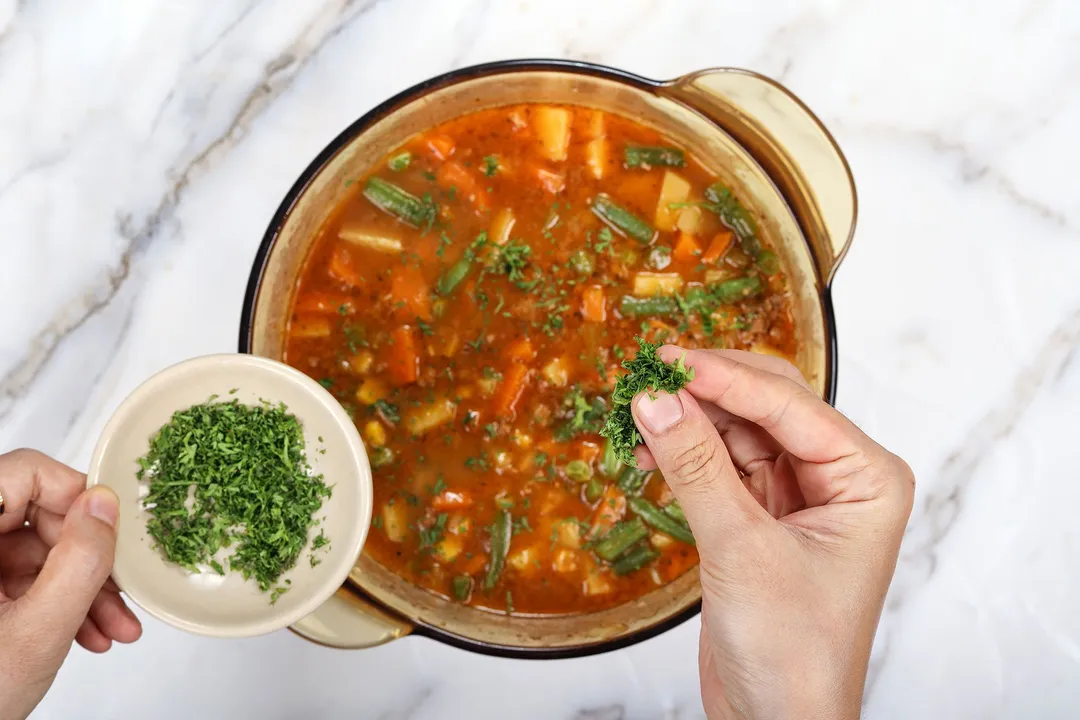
(695, 463)
(76, 568)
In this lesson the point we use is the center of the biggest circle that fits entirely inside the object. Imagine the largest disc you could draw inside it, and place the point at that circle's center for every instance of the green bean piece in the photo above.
(639, 307)
(732, 213)
(462, 585)
(659, 520)
(581, 262)
(635, 559)
(578, 470)
(620, 538)
(396, 201)
(622, 219)
(500, 543)
(631, 480)
(400, 161)
(731, 291)
(452, 277)
(674, 509)
(594, 490)
(638, 155)
(609, 462)
(768, 262)
(381, 457)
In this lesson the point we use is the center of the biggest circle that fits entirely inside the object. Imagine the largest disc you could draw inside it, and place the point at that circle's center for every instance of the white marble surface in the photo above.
(144, 144)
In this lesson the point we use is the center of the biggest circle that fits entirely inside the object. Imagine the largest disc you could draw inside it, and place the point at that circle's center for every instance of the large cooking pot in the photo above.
(747, 129)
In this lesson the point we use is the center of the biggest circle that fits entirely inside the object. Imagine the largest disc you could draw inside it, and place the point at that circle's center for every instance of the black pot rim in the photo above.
(422, 629)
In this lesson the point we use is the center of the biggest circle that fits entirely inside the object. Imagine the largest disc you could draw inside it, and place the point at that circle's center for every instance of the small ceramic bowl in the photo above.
(230, 606)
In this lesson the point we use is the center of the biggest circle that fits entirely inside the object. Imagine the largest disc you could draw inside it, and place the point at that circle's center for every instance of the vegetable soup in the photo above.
(470, 303)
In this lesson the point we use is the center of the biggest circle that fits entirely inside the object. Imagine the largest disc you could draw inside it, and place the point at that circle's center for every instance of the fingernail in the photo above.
(104, 505)
(659, 412)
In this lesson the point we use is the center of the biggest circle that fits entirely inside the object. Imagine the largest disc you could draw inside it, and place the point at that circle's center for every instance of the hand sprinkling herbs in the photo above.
(646, 373)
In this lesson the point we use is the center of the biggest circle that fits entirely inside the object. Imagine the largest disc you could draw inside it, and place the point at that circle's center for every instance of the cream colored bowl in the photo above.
(208, 604)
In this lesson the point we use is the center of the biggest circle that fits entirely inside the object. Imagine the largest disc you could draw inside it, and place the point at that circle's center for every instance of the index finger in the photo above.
(803, 424)
(28, 478)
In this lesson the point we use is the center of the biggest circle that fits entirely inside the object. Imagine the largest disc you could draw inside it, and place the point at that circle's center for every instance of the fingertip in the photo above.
(129, 632)
(658, 412)
(132, 629)
(102, 503)
(113, 617)
(671, 353)
(644, 457)
(91, 638)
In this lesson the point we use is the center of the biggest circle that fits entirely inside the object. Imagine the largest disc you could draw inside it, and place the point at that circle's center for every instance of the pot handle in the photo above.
(790, 143)
(349, 622)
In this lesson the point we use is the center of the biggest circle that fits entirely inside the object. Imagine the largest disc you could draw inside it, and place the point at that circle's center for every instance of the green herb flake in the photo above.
(478, 462)
(603, 240)
(491, 165)
(645, 373)
(388, 410)
(431, 535)
(439, 486)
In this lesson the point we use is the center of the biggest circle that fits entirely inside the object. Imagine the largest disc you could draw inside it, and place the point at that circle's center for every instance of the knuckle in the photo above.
(27, 455)
(696, 463)
(775, 416)
(905, 477)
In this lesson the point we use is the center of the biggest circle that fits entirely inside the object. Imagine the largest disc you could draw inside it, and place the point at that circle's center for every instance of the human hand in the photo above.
(56, 552)
(798, 518)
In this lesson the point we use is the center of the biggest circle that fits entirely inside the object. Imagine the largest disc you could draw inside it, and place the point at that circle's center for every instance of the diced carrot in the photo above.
(593, 304)
(411, 294)
(451, 500)
(511, 388)
(403, 361)
(521, 351)
(325, 303)
(686, 249)
(454, 175)
(719, 245)
(441, 146)
(551, 182)
(343, 266)
(611, 509)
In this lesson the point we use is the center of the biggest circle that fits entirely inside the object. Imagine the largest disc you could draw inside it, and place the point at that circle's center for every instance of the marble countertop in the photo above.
(145, 145)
